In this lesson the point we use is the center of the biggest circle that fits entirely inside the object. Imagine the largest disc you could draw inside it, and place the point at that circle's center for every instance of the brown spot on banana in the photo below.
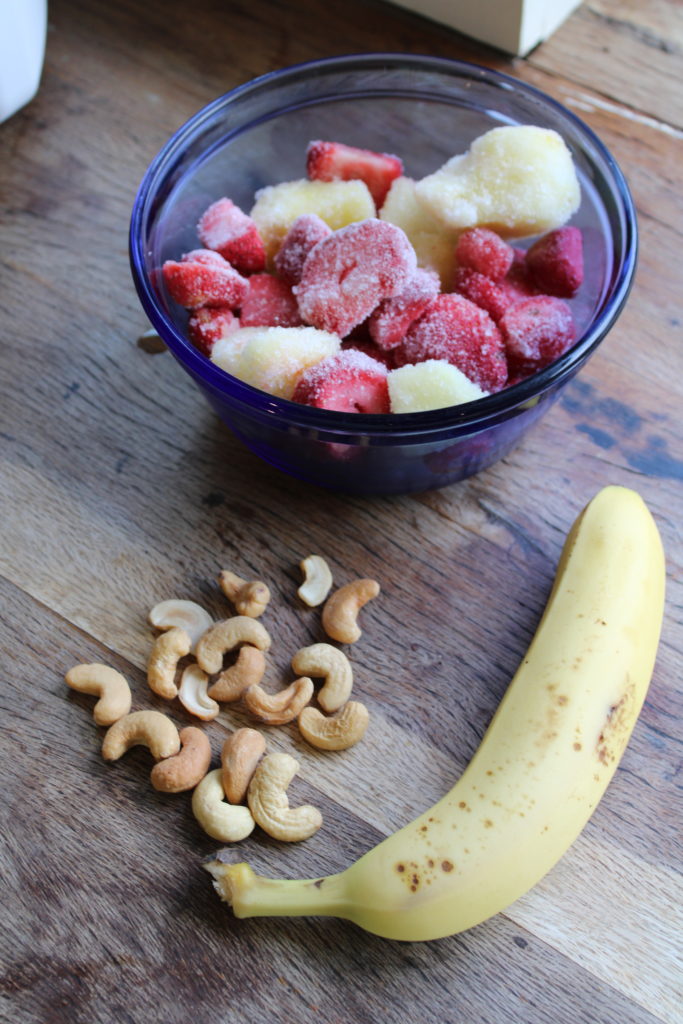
(617, 727)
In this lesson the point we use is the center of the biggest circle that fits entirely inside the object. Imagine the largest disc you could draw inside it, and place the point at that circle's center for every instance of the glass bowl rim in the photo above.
(464, 417)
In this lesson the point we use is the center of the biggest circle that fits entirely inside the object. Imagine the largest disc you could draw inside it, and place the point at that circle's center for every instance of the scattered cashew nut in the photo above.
(282, 707)
(109, 685)
(317, 580)
(249, 597)
(227, 822)
(144, 728)
(224, 636)
(338, 733)
(240, 755)
(193, 695)
(268, 802)
(341, 609)
(247, 671)
(167, 651)
(189, 616)
(328, 661)
(184, 770)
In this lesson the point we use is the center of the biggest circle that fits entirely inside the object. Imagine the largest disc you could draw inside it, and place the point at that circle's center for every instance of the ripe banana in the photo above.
(543, 765)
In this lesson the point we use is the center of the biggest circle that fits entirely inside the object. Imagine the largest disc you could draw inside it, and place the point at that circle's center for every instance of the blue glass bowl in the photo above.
(425, 109)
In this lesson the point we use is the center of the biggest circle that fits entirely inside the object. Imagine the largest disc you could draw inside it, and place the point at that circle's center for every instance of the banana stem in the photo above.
(251, 895)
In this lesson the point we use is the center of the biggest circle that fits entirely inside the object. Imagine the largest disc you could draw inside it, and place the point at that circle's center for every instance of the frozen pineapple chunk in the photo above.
(226, 349)
(517, 180)
(434, 244)
(338, 203)
(433, 384)
(273, 358)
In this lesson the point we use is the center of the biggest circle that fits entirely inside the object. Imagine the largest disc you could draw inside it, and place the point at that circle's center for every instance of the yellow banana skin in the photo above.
(543, 765)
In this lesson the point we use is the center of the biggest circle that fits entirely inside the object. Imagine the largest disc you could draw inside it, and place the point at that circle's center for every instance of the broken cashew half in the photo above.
(341, 610)
(268, 802)
(247, 671)
(282, 707)
(338, 733)
(194, 684)
(227, 822)
(226, 635)
(328, 661)
(240, 755)
(189, 616)
(141, 728)
(109, 685)
(317, 580)
(167, 651)
(250, 597)
(184, 770)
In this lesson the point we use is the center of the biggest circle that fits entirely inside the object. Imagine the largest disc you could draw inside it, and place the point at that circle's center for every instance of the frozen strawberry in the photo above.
(484, 251)
(482, 291)
(347, 382)
(348, 274)
(536, 331)
(555, 262)
(306, 231)
(392, 318)
(368, 346)
(199, 280)
(453, 328)
(233, 234)
(203, 256)
(207, 326)
(335, 161)
(269, 303)
(517, 284)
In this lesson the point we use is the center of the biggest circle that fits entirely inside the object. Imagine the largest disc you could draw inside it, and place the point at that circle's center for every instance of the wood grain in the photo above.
(120, 488)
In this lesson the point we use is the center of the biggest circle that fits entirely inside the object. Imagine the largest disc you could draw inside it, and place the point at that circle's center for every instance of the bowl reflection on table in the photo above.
(425, 110)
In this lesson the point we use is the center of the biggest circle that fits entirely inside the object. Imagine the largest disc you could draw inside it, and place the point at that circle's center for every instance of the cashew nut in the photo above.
(247, 671)
(328, 661)
(167, 651)
(227, 822)
(144, 728)
(193, 694)
(278, 708)
(224, 636)
(249, 597)
(241, 753)
(317, 580)
(341, 609)
(267, 798)
(184, 770)
(108, 684)
(336, 733)
(191, 617)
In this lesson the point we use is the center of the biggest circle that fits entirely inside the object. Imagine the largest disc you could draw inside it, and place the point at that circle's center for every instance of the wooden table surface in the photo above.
(120, 488)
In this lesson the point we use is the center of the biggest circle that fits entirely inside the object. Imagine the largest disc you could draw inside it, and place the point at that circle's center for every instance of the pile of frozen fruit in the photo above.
(359, 289)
